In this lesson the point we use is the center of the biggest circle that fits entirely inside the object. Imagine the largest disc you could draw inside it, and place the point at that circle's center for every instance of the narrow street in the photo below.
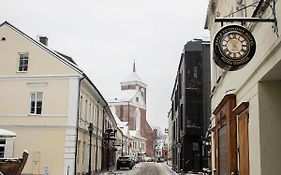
(144, 168)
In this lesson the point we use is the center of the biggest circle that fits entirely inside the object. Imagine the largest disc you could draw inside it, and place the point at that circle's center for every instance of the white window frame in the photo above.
(19, 61)
(36, 101)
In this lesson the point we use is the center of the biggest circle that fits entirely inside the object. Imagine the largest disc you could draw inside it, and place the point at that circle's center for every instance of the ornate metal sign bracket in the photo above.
(261, 7)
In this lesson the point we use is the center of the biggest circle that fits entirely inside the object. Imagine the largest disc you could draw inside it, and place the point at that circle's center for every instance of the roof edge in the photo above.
(45, 48)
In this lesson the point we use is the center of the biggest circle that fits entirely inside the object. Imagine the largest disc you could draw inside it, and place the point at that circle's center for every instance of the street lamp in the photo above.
(90, 129)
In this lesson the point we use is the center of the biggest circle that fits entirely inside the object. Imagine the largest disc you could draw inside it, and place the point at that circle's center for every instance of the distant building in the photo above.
(160, 144)
(123, 136)
(137, 144)
(164, 153)
(191, 106)
(170, 139)
(130, 106)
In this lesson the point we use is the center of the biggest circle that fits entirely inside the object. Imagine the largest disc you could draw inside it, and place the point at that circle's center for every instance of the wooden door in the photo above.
(223, 151)
(225, 132)
(243, 144)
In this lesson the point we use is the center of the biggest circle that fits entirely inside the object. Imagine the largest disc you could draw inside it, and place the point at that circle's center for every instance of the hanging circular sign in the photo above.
(234, 47)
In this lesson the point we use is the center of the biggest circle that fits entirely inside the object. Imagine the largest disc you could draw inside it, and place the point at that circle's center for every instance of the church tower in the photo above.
(130, 106)
(134, 82)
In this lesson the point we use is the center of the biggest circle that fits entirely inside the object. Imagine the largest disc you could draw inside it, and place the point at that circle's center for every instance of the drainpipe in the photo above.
(97, 146)
(103, 149)
(77, 125)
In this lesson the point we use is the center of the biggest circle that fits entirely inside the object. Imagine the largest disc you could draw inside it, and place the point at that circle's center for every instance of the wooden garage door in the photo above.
(243, 144)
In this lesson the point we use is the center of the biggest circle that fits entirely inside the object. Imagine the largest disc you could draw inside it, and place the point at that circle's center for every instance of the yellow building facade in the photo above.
(49, 103)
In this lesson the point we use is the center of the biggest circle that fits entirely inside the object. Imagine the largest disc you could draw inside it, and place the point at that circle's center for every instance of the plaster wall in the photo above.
(270, 122)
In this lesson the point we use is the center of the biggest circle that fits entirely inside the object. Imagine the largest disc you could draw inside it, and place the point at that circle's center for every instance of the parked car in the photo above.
(160, 159)
(134, 159)
(125, 161)
(146, 159)
(151, 159)
(140, 159)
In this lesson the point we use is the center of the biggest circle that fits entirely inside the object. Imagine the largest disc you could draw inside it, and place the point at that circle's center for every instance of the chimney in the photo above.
(43, 40)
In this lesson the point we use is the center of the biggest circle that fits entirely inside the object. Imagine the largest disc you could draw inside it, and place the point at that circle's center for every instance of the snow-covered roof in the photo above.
(133, 78)
(118, 121)
(122, 124)
(116, 118)
(121, 96)
(65, 59)
(136, 134)
(6, 133)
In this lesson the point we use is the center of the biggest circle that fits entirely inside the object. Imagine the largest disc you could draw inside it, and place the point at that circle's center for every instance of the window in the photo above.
(142, 92)
(195, 72)
(137, 99)
(86, 111)
(23, 62)
(36, 103)
(2, 148)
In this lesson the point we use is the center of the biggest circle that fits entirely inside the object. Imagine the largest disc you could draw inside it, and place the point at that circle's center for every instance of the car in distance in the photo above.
(160, 160)
(140, 159)
(133, 158)
(151, 159)
(125, 161)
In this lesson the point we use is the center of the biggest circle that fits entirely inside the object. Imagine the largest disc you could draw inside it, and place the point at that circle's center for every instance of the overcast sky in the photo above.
(105, 37)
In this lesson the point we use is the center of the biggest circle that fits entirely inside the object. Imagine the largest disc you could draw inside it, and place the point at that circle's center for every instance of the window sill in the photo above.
(35, 115)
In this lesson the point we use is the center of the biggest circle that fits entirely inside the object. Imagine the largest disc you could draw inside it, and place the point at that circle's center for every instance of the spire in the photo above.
(134, 66)
(133, 78)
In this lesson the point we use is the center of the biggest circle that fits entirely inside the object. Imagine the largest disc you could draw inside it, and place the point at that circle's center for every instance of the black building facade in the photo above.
(191, 108)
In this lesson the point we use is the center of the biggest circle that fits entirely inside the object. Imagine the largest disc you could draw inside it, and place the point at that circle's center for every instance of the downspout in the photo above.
(97, 146)
(103, 149)
(77, 125)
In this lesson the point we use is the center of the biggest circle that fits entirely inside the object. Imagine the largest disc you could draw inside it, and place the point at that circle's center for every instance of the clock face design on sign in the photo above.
(234, 46)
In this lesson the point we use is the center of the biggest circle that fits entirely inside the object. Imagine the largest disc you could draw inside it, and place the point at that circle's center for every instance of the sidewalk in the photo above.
(188, 173)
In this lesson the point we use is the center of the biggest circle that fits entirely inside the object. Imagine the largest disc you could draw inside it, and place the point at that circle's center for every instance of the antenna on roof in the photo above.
(134, 66)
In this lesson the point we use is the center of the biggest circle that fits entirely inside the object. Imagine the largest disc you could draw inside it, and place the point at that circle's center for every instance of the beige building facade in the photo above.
(246, 103)
(48, 102)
